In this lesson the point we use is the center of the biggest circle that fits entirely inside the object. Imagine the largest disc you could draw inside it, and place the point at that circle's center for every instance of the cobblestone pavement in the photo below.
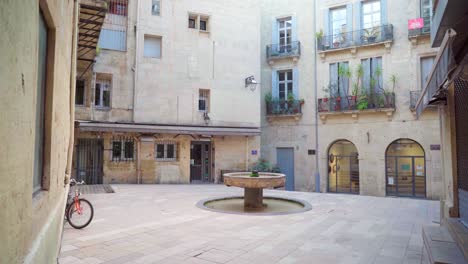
(161, 224)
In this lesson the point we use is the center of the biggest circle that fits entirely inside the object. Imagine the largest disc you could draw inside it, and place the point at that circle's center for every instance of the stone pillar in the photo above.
(253, 198)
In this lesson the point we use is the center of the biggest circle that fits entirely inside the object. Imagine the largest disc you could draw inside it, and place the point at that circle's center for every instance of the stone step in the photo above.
(440, 247)
(459, 233)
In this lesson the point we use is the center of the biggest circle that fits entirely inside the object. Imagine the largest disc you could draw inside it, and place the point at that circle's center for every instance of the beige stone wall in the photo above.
(30, 225)
(220, 60)
(373, 132)
(288, 132)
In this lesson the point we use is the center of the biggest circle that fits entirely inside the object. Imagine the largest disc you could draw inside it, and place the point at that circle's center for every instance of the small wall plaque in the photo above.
(311, 151)
(435, 147)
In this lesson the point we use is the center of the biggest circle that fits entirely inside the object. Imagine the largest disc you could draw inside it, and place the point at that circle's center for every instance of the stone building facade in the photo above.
(369, 140)
(37, 72)
(168, 99)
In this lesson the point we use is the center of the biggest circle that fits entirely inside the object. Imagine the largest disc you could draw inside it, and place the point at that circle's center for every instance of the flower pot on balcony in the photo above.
(371, 39)
(336, 44)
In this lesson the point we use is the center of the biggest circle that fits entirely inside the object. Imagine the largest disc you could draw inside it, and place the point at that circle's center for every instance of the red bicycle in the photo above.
(79, 212)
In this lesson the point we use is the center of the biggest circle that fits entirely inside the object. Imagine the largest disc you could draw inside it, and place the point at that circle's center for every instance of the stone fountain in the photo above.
(253, 186)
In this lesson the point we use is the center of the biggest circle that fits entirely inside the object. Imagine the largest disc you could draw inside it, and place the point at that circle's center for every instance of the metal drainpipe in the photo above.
(135, 66)
(135, 82)
(317, 172)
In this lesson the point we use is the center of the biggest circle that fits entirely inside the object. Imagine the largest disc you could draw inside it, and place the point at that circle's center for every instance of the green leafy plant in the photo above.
(268, 97)
(264, 166)
(291, 97)
(319, 35)
(345, 72)
(363, 101)
(370, 34)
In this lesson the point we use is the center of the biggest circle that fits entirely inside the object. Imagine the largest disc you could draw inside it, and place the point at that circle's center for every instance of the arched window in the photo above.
(343, 168)
(405, 169)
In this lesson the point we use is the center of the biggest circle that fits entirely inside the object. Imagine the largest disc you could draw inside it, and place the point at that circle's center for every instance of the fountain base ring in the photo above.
(270, 206)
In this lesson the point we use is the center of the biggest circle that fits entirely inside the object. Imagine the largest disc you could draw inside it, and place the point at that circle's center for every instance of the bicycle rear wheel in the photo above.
(80, 218)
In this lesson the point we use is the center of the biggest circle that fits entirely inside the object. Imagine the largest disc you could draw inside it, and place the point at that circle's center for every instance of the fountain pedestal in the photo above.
(253, 198)
(253, 186)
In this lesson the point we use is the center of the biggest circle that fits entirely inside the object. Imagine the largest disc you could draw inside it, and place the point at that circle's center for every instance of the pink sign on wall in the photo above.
(415, 23)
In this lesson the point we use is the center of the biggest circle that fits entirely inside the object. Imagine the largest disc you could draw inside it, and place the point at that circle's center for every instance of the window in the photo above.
(426, 14)
(339, 79)
(166, 151)
(203, 25)
(191, 23)
(40, 105)
(372, 80)
(285, 84)
(371, 16)
(113, 39)
(338, 22)
(426, 67)
(102, 93)
(118, 7)
(152, 47)
(80, 92)
(114, 34)
(156, 8)
(123, 149)
(200, 22)
(285, 34)
(203, 100)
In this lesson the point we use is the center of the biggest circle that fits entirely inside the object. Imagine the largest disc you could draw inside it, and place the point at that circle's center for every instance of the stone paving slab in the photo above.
(161, 224)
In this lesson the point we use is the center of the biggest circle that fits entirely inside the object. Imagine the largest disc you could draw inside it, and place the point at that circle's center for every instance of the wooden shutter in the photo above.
(294, 28)
(274, 84)
(366, 76)
(296, 82)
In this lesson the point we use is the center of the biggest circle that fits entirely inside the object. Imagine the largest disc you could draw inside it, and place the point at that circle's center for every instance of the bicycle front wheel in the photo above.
(79, 216)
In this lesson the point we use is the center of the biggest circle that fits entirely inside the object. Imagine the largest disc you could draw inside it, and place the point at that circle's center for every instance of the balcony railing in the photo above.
(359, 103)
(425, 30)
(284, 107)
(414, 96)
(363, 37)
(277, 51)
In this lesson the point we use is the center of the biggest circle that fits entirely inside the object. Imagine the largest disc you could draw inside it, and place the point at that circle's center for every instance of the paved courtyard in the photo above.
(161, 224)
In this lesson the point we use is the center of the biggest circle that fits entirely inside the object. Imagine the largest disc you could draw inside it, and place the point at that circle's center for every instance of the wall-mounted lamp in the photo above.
(251, 83)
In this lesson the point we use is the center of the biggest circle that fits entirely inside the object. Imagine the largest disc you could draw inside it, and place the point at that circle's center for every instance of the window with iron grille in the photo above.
(200, 22)
(123, 149)
(114, 31)
(204, 100)
(165, 151)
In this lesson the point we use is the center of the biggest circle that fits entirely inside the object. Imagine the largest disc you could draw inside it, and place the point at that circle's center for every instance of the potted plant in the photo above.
(319, 37)
(363, 102)
(370, 34)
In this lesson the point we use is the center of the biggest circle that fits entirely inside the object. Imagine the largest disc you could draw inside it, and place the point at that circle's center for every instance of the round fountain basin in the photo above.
(271, 206)
(264, 180)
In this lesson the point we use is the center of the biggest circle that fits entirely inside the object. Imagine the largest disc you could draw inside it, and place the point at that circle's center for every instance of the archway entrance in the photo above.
(405, 169)
(343, 168)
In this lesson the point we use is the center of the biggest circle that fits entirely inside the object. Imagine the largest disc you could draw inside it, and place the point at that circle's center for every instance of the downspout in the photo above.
(317, 172)
(135, 66)
(135, 82)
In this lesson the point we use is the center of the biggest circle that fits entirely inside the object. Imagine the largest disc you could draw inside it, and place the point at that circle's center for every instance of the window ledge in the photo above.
(355, 113)
(296, 117)
(102, 109)
(353, 48)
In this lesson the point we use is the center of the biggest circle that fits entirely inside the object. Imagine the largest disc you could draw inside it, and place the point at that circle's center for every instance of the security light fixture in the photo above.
(251, 83)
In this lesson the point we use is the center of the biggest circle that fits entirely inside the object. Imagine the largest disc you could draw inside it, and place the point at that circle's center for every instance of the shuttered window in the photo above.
(152, 47)
(426, 67)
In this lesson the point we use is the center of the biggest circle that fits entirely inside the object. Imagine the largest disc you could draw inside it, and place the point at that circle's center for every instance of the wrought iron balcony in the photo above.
(371, 101)
(414, 96)
(425, 30)
(277, 51)
(363, 37)
(284, 107)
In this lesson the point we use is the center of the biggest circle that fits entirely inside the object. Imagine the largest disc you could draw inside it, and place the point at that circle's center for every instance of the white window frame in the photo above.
(153, 4)
(286, 83)
(371, 13)
(104, 85)
(204, 95)
(165, 144)
(122, 157)
(342, 28)
(286, 29)
(198, 18)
